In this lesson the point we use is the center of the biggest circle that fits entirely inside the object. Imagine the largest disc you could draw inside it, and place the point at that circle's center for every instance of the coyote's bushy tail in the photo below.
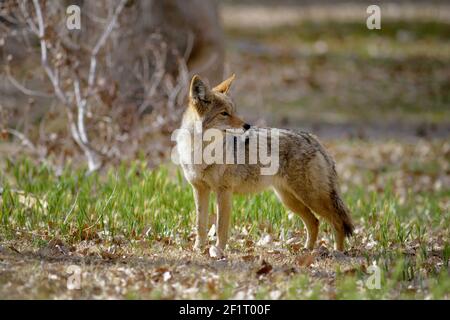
(343, 213)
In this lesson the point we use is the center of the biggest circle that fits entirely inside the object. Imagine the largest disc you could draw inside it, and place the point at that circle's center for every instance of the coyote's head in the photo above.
(213, 107)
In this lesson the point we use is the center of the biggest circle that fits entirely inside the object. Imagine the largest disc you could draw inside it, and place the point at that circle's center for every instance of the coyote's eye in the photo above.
(224, 113)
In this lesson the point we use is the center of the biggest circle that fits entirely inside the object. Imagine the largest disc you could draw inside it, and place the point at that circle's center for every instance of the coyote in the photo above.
(306, 181)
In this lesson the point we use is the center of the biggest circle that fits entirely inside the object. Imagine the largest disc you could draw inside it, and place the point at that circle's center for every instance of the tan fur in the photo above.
(306, 181)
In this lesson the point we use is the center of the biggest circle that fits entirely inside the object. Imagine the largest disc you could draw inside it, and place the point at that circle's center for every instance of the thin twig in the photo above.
(101, 41)
(44, 60)
(25, 141)
(22, 88)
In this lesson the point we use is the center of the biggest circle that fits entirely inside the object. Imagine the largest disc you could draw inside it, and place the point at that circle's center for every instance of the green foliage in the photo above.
(139, 204)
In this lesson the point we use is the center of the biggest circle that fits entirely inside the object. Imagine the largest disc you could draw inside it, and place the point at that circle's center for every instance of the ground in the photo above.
(378, 101)
(131, 232)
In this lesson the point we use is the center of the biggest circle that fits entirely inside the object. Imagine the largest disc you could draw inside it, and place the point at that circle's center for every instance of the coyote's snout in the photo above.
(306, 180)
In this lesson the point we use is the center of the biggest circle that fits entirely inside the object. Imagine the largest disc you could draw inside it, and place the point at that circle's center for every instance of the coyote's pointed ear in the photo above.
(225, 85)
(199, 91)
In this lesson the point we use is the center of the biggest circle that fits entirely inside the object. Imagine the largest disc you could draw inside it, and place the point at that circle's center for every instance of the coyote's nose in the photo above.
(246, 126)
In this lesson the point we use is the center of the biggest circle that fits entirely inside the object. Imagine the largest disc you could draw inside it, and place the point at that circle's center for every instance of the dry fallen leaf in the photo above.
(265, 240)
(322, 252)
(265, 268)
(275, 295)
(215, 252)
(212, 286)
(295, 247)
(350, 271)
(166, 276)
(305, 260)
(13, 249)
(249, 242)
(292, 240)
(248, 258)
(159, 274)
(108, 255)
(240, 295)
(54, 248)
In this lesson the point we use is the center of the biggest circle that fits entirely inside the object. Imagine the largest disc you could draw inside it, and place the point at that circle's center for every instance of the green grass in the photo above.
(341, 72)
(131, 201)
(153, 210)
(401, 37)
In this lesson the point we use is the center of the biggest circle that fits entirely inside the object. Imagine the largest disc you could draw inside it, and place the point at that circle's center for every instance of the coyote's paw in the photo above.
(306, 249)
(216, 253)
(199, 245)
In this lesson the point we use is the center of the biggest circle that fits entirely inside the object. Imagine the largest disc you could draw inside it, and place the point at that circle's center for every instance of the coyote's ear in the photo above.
(225, 85)
(199, 92)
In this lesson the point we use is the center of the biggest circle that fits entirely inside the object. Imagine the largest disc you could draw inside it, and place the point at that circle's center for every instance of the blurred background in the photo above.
(115, 90)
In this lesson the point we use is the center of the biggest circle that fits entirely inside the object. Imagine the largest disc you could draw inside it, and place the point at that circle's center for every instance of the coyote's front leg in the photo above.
(201, 196)
(223, 221)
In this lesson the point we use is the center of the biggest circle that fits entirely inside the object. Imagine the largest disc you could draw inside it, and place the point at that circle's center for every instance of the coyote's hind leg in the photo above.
(308, 218)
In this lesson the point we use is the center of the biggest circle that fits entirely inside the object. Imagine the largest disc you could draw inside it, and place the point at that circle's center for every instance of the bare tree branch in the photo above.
(43, 45)
(89, 72)
(101, 42)
(25, 141)
(22, 88)
(77, 128)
